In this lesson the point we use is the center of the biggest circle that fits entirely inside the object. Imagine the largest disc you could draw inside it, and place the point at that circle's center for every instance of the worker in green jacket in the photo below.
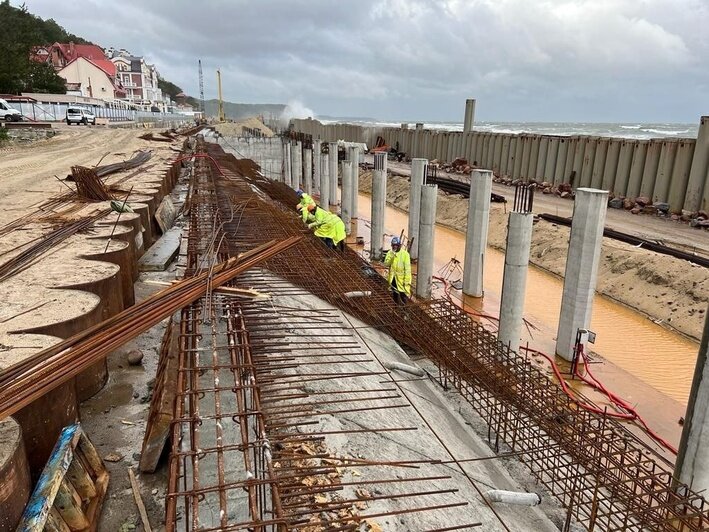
(305, 201)
(328, 227)
(399, 262)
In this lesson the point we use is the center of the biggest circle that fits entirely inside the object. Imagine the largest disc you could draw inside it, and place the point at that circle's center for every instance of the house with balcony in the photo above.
(140, 81)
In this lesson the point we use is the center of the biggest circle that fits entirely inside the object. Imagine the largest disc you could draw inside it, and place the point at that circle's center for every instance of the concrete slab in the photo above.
(162, 253)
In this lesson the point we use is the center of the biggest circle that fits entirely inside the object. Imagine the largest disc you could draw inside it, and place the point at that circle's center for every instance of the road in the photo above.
(670, 233)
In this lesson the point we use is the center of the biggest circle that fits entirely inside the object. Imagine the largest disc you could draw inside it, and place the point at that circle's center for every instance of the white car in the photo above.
(9, 114)
(80, 115)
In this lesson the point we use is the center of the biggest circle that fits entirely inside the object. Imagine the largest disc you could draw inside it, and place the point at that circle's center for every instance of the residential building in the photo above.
(92, 79)
(139, 79)
(85, 67)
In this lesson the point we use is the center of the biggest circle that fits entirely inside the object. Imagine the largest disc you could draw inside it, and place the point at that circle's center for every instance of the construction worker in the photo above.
(328, 226)
(305, 201)
(399, 262)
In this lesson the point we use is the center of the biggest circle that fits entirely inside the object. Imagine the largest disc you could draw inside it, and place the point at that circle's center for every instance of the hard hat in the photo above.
(312, 207)
(395, 241)
(299, 192)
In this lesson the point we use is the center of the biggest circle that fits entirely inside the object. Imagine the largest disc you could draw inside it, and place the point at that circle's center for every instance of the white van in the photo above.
(79, 115)
(9, 114)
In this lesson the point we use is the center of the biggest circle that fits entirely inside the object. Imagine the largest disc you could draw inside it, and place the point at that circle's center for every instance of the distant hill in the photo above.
(237, 111)
(20, 30)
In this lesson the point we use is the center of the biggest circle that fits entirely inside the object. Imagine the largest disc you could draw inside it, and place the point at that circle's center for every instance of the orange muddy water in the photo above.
(658, 357)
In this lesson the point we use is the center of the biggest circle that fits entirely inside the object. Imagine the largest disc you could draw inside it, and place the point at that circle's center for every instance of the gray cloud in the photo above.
(532, 60)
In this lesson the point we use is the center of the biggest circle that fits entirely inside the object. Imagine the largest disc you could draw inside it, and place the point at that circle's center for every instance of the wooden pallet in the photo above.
(71, 489)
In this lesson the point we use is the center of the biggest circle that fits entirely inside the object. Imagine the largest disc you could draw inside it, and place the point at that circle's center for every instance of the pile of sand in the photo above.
(668, 290)
(236, 129)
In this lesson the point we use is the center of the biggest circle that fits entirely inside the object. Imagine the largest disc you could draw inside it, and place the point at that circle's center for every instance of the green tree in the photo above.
(19, 32)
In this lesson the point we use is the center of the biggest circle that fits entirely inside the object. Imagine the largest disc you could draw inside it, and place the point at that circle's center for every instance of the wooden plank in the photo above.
(42, 499)
(162, 253)
(81, 480)
(162, 403)
(55, 523)
(139, 501)
(68, 504)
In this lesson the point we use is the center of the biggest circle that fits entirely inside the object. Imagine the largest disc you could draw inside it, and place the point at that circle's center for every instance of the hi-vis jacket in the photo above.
(400, 269)
(327, 225)
(305, 200)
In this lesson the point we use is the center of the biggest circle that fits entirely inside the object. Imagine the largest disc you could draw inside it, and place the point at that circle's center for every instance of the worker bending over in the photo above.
(399, 262)
(328, 226)
(305, 201)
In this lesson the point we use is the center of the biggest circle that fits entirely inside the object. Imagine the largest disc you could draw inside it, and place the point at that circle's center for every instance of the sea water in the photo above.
(629, 130)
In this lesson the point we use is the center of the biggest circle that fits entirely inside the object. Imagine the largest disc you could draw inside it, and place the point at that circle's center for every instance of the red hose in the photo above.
(630, 413)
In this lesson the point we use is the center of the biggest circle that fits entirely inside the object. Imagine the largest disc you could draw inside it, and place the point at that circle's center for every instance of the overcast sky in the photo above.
(524, 60)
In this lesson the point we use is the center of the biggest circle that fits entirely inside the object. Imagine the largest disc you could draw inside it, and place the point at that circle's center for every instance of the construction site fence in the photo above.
(674, 171)
(56, 112)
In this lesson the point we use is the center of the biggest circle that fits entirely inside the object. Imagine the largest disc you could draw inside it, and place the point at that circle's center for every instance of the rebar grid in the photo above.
(605, 476)
(246, 449)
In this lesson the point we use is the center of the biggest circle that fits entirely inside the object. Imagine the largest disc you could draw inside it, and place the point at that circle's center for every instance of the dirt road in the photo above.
(675, 234)
(27, 171)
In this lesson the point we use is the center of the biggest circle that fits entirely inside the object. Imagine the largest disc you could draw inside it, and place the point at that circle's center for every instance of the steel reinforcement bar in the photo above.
(607, 477)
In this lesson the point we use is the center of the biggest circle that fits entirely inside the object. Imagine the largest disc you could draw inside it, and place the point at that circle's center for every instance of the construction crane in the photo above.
(201, 93)
(221, 102)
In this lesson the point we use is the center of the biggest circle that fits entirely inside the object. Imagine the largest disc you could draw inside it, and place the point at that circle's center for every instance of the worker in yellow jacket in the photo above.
(305, 201)
(399, 262)
(328, 227)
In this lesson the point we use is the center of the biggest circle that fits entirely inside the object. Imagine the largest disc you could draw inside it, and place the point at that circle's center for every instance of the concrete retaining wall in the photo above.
(657, 168)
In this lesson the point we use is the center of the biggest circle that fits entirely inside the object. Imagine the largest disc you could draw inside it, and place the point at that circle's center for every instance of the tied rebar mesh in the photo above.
(607, 477)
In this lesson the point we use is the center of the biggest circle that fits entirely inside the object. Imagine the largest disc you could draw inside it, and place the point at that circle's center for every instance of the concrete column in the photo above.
(333, 172)
(297, 171)
(379, 198)
(427, 233)
(324, 181)
(514, 281)
(316, 165)
(355, 156)
(418, 171)
(581, 267)
(287, 176)
(346, 207)
(700, 168)
(476, 233)
(308, 170)
(692, 465)
(469, 115)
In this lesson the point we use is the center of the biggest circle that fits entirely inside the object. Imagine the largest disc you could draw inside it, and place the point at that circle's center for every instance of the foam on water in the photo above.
(629, 130)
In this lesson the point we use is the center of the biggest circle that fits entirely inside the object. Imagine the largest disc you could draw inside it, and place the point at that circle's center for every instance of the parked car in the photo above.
(80, 115)
(9, 114)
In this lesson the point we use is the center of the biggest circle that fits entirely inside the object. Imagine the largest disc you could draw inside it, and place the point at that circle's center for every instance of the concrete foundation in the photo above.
(469, 115)
(427, 225)
(379, 199)
(476, 233)
(581, 267)
(324, 180)
(514, 282)
(418, 172)
(308, 170)
(692, 465)
(333, 172)
(346, 206)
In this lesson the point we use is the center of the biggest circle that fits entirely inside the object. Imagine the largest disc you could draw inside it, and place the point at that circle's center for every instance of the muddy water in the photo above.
(660, 358)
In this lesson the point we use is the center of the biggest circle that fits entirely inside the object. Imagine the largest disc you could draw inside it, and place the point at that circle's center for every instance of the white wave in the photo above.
(636, 126)
(665, 131)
